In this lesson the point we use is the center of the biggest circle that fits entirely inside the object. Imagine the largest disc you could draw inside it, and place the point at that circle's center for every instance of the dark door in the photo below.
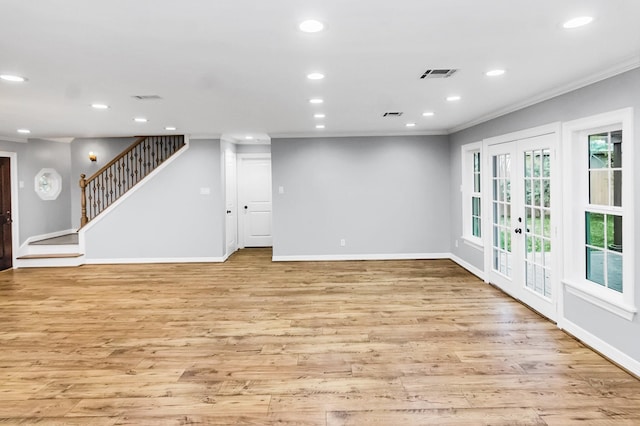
(6, 241)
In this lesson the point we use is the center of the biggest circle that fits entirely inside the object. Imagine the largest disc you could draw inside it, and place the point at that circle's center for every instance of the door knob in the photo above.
(246, 207)
(228, 211)
(518, 231)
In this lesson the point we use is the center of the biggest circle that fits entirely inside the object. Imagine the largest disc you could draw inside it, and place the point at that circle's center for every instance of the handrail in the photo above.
(122, 173)
(117, 157)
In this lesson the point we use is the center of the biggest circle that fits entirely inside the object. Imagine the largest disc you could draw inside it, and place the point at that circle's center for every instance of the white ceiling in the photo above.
(238, 67)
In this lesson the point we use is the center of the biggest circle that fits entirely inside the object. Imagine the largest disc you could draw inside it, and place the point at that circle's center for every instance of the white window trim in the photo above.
(466, 189)
(575, 165)
(598, 295)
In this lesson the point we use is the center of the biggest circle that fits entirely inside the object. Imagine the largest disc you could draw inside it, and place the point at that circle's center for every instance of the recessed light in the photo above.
(319, 126)
(318, 115)
(24, 131)
(577, 22)
(311, 26)
(428, 114)
(315, 76)
(99, 106)
(140, 120)
(410, 124)
(453, 98)
(494, 73)
(12, 78)
(316, 101)
(248, 138)
(170, 128)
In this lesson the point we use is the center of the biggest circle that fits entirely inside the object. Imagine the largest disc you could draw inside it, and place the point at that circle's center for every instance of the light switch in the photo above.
(205, 191)
(281, 190)
(21, 184)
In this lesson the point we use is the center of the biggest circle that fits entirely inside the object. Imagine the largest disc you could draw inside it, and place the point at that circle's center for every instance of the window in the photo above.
(599, 211)
(475, 196)
(603, 214)
(471, 193)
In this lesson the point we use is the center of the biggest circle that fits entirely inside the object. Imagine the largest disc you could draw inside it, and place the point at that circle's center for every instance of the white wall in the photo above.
(385, 196)
(167, 218)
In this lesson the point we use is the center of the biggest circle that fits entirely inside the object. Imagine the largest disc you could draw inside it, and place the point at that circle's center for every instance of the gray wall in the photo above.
(167, 217)
(384, 195)
(45, 216)
(614, 93)
(37, 216)
(106, 149)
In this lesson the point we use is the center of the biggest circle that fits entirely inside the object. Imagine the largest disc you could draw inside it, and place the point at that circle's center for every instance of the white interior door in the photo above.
(521, 228)
(231, 202)
(254, 196)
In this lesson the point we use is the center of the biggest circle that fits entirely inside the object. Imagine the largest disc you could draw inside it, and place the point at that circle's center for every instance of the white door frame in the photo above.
(553, 129)
(233, 196)
(239, 158)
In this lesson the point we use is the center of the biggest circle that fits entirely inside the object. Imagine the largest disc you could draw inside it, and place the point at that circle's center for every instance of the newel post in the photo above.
(83, 201)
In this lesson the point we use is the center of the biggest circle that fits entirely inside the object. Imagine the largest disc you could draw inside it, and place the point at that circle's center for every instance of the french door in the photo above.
(521, 228)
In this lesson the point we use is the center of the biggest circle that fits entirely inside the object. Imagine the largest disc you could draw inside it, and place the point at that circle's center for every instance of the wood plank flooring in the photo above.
(250, 342)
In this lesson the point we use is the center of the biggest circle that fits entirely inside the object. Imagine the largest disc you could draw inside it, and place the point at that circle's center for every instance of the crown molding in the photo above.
(13, 139)
(321, 135)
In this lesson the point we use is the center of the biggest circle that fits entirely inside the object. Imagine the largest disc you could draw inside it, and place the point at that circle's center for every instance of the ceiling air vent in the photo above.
(442, 73)
(392, 114)
(146, 97)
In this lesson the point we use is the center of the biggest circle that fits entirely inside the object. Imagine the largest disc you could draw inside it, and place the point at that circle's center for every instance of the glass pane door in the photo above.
(537, 226)
(521, 260)
(501, 205)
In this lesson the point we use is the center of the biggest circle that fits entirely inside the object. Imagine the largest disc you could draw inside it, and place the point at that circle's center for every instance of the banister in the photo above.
(116, 158)
(83, 201)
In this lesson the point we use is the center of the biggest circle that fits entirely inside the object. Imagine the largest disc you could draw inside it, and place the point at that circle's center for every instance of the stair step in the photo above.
(50, 256)
(59, 240)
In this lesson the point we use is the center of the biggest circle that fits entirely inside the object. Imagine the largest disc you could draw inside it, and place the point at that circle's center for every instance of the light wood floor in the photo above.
(255, 342)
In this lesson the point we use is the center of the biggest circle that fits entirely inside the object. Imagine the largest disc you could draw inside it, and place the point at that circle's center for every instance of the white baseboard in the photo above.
(154, 260)
(469, 267)
(338, 257)
(601, 346)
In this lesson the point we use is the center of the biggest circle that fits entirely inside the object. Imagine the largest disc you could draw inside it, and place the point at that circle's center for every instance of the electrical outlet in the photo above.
(456, 242)
(343, 242)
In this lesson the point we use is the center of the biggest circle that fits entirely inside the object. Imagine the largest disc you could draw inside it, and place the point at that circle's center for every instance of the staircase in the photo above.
(98, 193)
(119, 175)
(61, 250)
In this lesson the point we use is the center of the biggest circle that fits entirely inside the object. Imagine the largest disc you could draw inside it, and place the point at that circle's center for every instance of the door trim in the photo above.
(239, 158)
(15, 237)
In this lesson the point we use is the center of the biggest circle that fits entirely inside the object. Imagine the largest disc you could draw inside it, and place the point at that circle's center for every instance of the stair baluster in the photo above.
(122, 173)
